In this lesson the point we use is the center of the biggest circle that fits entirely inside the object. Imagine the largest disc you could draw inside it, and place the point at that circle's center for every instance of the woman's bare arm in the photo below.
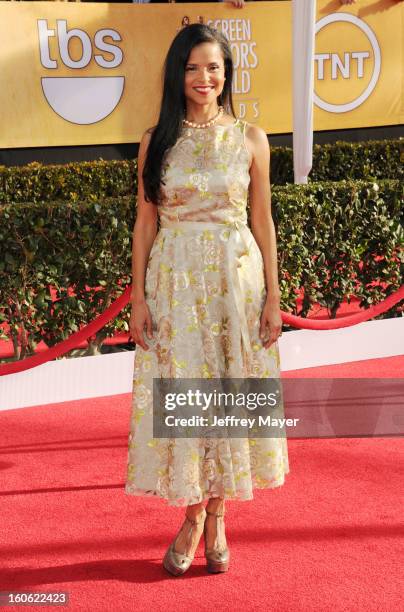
(263, 229)
(144, 230)
(262, 225)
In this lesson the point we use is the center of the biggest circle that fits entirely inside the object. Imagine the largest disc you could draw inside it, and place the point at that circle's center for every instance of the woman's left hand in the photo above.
(270, 324)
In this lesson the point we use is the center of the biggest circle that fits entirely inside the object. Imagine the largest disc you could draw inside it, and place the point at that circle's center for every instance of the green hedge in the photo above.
(102, 179)
(374, 159)
(71, 182)
(325, 230)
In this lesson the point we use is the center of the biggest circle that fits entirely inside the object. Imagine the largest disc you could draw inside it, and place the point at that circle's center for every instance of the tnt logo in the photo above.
(82, 100)
(344, 77)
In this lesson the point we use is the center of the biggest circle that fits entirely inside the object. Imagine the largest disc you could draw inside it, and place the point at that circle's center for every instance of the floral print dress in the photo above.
(205, 287)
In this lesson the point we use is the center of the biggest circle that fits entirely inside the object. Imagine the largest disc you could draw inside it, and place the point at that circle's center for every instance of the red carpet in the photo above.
(329, 539)
(387, 367)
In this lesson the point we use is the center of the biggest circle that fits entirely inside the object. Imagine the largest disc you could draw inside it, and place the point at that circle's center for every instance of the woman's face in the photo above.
(204, 74)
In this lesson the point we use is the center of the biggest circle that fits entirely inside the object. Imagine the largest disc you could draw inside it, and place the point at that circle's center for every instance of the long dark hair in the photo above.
(173, 106)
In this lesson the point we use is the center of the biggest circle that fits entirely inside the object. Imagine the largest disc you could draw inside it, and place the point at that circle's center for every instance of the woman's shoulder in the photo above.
(255, 133)
(144, 143)
(145, 139)
(256, 141)
(147, 134)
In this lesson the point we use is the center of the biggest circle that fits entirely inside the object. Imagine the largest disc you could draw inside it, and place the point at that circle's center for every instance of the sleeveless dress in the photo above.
(205, 287)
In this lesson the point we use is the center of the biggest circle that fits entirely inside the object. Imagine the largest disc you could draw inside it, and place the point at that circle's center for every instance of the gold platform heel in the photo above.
(177, 563)
(216, 560)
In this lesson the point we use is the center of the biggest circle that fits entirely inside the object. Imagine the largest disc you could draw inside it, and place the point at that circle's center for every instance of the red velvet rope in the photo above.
(358, 317)
(72, 341)
(115, 308)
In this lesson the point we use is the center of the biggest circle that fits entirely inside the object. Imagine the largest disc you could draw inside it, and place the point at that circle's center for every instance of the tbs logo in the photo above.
(80, 100)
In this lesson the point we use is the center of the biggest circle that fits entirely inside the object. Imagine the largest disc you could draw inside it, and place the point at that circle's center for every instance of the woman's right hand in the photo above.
(139, 318)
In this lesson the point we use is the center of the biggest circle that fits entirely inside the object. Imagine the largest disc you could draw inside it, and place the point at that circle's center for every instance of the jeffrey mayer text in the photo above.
(267, 421)
(228, 421)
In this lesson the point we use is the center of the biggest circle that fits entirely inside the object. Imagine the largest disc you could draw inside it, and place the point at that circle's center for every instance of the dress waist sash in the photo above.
(201, 224)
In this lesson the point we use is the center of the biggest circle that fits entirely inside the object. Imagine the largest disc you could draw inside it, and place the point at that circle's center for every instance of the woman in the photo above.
(205, 290)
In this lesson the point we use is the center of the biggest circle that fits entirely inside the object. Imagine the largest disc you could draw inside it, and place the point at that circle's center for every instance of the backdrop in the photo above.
(83, 73)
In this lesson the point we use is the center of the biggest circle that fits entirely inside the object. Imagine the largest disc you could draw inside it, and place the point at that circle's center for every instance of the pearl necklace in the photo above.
(208, 123)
